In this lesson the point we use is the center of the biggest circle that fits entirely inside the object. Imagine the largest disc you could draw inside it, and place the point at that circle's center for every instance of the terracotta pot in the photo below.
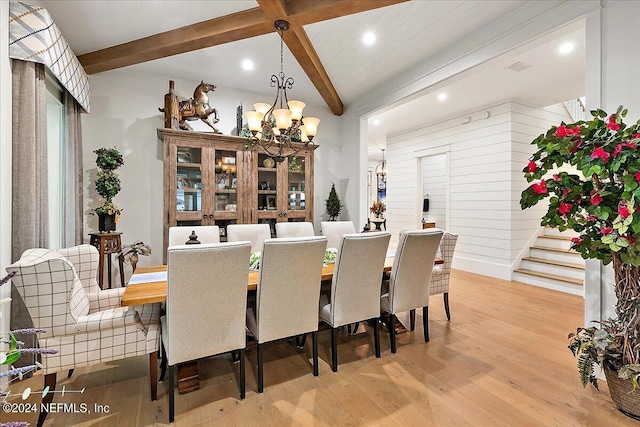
(626, 401)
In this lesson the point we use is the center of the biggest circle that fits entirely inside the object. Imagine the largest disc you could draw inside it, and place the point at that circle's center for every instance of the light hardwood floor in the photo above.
(501, 361)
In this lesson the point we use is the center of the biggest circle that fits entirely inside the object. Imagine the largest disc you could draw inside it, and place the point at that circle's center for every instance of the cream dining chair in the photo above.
(206, 303)
(355, 288)
(408, 285)
(206, 234)
(254, 233)
(334, 230)
(294, 229)
(287, 294)
(82, 328)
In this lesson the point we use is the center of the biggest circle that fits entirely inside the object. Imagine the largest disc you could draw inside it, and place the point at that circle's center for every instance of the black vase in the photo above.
(106, 222)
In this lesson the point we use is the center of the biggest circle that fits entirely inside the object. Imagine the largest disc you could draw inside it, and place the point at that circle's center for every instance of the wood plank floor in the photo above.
(501, 361)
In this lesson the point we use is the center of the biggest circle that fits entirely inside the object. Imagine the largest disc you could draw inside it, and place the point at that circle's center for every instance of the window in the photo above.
(55, 161)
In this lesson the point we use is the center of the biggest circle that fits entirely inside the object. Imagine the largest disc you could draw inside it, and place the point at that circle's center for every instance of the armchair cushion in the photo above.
(109, 319)
(105, 299)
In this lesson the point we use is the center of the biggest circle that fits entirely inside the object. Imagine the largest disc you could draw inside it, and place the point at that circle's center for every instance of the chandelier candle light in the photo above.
(273, 127)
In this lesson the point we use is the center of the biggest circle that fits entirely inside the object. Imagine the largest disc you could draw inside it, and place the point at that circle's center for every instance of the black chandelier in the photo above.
(274, 127)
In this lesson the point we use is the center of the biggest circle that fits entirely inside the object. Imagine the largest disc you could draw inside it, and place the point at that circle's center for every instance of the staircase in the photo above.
(551, 264)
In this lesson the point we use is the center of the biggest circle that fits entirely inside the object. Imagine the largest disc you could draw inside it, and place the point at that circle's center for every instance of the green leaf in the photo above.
(614, 247)
(11, 358)
(623, 243)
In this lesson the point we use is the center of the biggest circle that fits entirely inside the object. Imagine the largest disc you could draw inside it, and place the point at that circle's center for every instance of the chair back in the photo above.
(51, 290)
(357, 278)
(334, 230)
(441, 273)
(412, 267)
(206, 299)
(254, 233)
(294, 229)
(289, 287)
(85, 259)
(206, 234)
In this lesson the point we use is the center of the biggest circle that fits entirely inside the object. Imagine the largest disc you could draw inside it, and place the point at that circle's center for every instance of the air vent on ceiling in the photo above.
(518, 66)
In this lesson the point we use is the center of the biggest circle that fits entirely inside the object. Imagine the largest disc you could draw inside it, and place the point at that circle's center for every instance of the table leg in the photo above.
(101, 270)
(109, 267)
(121, 261)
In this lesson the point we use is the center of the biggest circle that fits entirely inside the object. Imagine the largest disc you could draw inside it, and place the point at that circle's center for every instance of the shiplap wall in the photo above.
(487, 156)
(434, 183)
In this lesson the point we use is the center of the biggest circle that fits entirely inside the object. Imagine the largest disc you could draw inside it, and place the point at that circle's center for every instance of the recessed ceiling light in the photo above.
(566, 48)
(376, 122)
(368, 38)
(247, 64)
(442, 96)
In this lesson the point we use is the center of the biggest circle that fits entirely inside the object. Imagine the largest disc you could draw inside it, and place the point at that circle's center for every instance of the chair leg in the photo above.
(425, 323)
(376, 337)
(392, 332)
(300, 341)
(153, 375)
(334, 350)
(260, 377)
(49, 381)
(349, 329)
(242, 375)
(314, 344)
(70, 373)
(163, 364)
(172, 385)
(412, 320)
(446, 305)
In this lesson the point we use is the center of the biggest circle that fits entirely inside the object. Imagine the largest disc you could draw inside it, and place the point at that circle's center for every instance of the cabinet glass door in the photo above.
(188, 180)
(267, 187)
(296, 202)
(226, 184)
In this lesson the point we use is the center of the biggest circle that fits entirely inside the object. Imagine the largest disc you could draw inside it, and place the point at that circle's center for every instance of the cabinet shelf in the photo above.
(267, 191)
(226, 191)
(188, 165)
(263, 169)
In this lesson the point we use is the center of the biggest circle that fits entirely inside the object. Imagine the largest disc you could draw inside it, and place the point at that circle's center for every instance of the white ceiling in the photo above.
(407, 34)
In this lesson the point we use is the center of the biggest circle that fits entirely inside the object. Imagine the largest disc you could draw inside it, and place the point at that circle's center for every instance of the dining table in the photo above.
(148, 285)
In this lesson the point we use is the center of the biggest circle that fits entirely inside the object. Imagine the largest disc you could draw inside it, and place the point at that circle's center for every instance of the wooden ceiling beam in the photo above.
(304, 12)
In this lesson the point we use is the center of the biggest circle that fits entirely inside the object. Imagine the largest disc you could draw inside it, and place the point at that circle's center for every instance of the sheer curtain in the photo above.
(73, 209)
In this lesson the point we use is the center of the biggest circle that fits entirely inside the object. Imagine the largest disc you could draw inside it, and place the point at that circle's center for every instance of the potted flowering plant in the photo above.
(378, 209)
(597, 198)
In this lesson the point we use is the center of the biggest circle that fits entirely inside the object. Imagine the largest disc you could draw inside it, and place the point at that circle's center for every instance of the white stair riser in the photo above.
(553, 243)
(549, 284)
(570, 273)
(557, 256)
(555, 232)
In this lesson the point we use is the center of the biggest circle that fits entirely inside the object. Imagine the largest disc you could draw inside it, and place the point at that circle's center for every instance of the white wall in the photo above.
(487, 156)
(5, 164)
(435, 186)
(124, 114)
(613, 67)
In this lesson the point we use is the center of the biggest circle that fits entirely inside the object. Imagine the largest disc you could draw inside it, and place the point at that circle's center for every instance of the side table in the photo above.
(107, 244)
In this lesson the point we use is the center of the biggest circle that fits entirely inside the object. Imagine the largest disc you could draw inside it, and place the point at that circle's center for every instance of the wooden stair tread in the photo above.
(549, 276)
(547, 236)
(564, 251)
(552, 262)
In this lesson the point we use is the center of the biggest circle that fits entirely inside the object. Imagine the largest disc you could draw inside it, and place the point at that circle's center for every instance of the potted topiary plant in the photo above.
(598, 200)
(107, 186)
(333, 204)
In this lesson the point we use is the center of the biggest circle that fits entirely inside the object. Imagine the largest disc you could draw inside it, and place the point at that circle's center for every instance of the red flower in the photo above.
(612, 123)
(636, 136)
(540, 188)
(531, 167)
(630, 239)
(596, 199)
(591, 218)
(599, 153)
(637, 177)
(606, 230)
(624, 211)
(566, 191)
(561, 131)
(621, 146)
(565, 208)
(556, 177)
(576, 241)
(573, 132)
(575, 147)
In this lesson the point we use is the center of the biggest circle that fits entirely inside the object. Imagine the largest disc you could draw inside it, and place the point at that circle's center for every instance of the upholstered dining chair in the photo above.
(287, 294)
(408, 285)
(206, 234)
(334, 230)
(355, 288)
(294, 229)
(441, 273)
(83, 328)
(255, 233)
(206, 304)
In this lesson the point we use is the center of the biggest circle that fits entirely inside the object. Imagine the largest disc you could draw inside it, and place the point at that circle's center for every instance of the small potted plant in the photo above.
(131, 253)
(107, 186)
(378, 209)
(590, 173)
(333, 204)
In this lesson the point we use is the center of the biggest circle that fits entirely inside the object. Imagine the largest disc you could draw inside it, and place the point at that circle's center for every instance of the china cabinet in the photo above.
(211, 179)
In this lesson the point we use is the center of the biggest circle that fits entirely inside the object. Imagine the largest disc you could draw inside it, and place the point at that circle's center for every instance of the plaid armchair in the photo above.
(84, 324)
(440, 276)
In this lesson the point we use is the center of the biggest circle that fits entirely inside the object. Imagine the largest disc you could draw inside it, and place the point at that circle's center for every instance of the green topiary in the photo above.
(333, 204)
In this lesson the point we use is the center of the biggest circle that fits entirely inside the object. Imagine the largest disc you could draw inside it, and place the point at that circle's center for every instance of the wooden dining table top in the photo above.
(152, 292)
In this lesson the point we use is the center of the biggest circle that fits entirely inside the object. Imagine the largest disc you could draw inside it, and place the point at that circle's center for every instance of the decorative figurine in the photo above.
(196, 108)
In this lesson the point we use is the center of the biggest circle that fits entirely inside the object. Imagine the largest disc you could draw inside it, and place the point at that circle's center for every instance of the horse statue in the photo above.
(198, 108)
